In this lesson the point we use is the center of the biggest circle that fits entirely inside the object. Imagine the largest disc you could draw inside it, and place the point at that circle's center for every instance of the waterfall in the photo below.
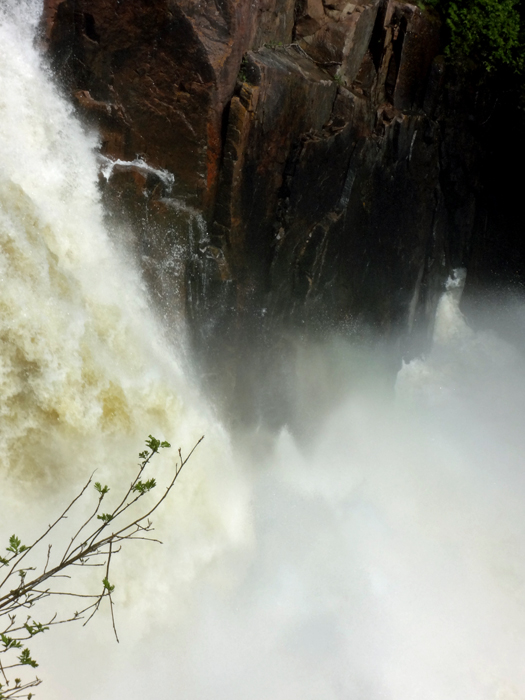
(85, 372)
(383, 558)
(76, 335)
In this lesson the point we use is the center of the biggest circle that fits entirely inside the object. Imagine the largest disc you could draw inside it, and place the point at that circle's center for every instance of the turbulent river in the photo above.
(383, 559)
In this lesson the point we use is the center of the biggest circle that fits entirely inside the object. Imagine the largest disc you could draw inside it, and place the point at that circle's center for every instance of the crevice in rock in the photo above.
(89, 28)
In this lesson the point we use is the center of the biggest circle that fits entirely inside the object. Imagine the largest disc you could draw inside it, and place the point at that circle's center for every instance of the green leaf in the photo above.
(15, 545)
(143, 487)
(101, 489)
(9, 642)
(153, 443)
(106, 517)
(107, 585)
(35, 628)
(26, 660)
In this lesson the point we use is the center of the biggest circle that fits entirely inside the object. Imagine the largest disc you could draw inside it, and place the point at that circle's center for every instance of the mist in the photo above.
(381, 557)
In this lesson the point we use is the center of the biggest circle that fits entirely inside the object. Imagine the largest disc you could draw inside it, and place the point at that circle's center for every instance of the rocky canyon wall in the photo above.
(285, 164)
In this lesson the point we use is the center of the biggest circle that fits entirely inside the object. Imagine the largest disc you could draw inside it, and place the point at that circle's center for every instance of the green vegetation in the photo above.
(484, 32)
(31, 573)
(242, 77)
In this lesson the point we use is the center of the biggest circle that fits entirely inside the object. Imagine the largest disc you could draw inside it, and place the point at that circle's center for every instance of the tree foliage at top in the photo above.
(485, 32)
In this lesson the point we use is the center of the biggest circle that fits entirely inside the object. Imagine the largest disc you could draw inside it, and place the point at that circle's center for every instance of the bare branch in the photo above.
(88, 547)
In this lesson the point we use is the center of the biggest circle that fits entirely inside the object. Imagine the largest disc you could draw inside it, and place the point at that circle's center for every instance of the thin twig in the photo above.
(100, 543)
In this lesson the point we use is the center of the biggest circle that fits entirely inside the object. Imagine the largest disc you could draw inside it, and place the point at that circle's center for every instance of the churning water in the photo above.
(385, 560)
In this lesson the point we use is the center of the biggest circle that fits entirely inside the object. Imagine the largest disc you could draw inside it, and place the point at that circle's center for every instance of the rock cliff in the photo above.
(306, 164)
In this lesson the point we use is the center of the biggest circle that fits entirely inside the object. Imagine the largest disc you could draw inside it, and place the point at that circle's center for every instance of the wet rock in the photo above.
(419, 35)
(166, 68)
(288, 96)
(314, 247)
(325, 163)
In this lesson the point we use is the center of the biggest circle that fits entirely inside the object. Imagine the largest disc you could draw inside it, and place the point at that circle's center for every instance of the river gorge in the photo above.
(294, 257)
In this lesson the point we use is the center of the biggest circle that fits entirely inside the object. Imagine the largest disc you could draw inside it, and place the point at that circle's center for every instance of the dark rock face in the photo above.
(326, 164)
(289, 97)
(345, 200)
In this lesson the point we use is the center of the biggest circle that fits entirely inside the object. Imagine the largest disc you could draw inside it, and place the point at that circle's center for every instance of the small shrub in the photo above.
(24, 582)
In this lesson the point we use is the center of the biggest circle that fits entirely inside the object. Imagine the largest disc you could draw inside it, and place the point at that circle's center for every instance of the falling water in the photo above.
(385, 559)
(85, 373)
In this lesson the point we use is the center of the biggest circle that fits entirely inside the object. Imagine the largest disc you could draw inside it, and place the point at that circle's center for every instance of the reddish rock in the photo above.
(338, 175)
(286, 96)
(274, 22)
(336, 35)
(164, 68)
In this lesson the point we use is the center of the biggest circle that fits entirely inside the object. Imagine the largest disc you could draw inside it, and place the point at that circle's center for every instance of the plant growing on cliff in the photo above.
(242, 77)
(487, 32)
(29, 574)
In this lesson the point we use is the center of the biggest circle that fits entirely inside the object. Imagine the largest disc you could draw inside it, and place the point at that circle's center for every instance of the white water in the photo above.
(385, 561)
(85, 374)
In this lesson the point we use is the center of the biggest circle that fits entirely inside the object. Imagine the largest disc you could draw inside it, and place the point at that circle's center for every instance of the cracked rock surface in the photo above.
(306, 164)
